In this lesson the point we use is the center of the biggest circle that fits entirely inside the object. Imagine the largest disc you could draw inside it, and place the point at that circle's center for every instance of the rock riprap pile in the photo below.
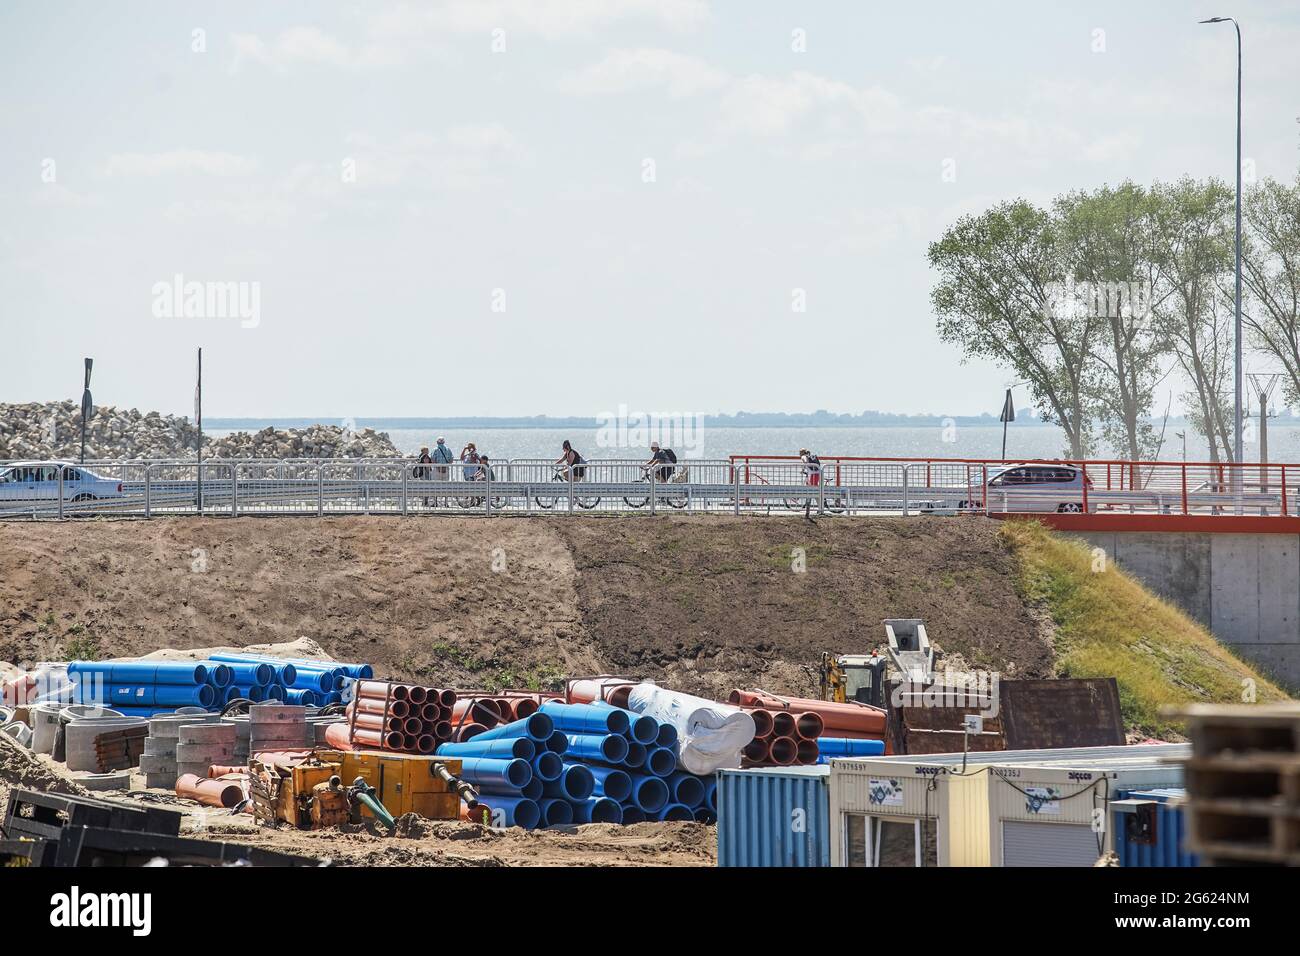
(39, 430)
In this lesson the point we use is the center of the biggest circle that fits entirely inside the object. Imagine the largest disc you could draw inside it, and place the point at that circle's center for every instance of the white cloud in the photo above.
(179, 161)
(622, 71)
(391, 37)
(309, 45)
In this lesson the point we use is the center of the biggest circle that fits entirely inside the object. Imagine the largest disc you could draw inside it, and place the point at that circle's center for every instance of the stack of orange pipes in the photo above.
(387, 715)
(477, 711)
(829, 718)
(782, 738)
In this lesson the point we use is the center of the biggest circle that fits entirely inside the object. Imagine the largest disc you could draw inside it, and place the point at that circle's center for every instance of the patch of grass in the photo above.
(1109, 625)
(80, 645)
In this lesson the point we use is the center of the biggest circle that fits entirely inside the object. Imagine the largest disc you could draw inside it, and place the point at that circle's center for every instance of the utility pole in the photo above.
(198, 420)
(1263, 384)
(87, 408)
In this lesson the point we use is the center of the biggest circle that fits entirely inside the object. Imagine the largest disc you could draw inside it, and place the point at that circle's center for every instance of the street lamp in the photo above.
(1238, 454)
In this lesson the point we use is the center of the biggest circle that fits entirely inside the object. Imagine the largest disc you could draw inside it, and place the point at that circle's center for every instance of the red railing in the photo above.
(1072, 489)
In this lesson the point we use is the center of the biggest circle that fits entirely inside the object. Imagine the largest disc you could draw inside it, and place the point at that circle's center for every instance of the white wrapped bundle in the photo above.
(711, 735)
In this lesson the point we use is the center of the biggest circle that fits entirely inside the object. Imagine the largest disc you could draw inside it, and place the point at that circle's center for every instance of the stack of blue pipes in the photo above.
(145, 688)
(293, 681)
(582, 763)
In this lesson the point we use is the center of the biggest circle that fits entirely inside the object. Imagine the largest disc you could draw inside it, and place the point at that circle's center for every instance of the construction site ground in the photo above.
(700, 603)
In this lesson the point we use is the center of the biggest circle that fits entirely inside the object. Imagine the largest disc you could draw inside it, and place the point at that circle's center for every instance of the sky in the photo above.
(525, 207)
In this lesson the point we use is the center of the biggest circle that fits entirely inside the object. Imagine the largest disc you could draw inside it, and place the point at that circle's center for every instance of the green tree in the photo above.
(1193, 224)
(995, 299)
(1108, 248)
(1270, 272)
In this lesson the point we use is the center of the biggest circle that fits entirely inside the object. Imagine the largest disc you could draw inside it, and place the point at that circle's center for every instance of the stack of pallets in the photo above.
(1243, 784)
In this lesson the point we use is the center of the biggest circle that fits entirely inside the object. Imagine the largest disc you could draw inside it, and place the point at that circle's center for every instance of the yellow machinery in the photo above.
(403, 783)
(857, 677)
(301, 795)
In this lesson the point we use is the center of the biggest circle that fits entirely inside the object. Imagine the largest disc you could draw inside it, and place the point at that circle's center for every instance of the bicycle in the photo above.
(673, 501)
(468, 501)
(835, 505)
(548, 502)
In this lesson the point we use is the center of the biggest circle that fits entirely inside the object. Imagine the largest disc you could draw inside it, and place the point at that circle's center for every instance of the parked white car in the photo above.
(1037, 489)
(39, 481)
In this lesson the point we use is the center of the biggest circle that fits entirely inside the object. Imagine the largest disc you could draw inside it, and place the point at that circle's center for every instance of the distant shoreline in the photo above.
(380, 424)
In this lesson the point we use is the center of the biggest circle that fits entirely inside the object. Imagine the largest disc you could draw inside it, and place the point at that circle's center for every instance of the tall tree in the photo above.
(1193, 226)
(1108, 248)
(1270, 270)
(995, 299)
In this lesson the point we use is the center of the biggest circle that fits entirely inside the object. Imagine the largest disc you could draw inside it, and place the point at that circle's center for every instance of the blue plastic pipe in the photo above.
(558, 743)
(575, 783)
(536, 727)
(632, 814)
(534, 789)
(705, 815)
(219, 675)
(675, 811)
(358, 671)
(611, 748)
(252, 674)
(848, 747)
(547, 766)
(163, 695)
(636, 754)
(660, 761)
(506, 748)
(490, 770)
(711, 793)
(273, 692)
(649, 793)
(642, 729)
(597, 810)
(586, 718)
(667, 736)
(181, 673)
(687, 789)
(511, 811)
(611, 782)
(301, 696)
(555, 812)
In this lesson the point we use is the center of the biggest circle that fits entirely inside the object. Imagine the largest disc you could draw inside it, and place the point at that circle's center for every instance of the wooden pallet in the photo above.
(1243, 784)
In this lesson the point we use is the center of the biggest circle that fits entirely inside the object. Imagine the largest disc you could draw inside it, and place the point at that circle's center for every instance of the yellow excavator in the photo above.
(861, 677)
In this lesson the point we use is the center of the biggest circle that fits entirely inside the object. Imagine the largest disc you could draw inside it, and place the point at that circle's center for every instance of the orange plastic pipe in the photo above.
(783, 723)
(784, 751)
(372, 705)
(809, 725)
(806, 751)
(212, 793)
(379, 689)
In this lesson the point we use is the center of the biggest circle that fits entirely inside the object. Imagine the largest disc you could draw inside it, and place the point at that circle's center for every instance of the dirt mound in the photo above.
(707, 604)
(702, 603)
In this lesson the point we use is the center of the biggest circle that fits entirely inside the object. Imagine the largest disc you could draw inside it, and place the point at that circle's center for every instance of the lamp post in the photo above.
(1238, 453)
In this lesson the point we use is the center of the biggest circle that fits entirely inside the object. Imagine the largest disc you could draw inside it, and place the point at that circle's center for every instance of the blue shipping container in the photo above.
(1168, 848)
(774, 817)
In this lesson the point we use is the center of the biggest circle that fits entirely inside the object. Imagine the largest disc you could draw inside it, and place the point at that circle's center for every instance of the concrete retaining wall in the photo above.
(1244, 587)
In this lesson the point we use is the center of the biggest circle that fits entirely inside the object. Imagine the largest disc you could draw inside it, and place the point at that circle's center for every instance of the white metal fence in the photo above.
(537, 486)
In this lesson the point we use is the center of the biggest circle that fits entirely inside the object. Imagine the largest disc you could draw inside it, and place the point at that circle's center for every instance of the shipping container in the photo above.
(1150, 828)
(774, 816)
(1004, 808)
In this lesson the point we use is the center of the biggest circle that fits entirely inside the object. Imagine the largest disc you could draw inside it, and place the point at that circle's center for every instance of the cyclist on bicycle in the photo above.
(812, 466)
(662, 460)
(571, 461)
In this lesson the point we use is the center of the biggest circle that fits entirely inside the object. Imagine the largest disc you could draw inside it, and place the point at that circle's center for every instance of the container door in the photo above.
(1048, 844)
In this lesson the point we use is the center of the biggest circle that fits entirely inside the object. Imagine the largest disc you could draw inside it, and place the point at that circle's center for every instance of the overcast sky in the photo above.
(506, 207)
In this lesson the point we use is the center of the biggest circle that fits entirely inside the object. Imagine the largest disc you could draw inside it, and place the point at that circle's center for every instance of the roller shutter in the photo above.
(1048, 844)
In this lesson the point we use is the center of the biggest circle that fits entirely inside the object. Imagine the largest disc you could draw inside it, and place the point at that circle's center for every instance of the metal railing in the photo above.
(742, 484)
